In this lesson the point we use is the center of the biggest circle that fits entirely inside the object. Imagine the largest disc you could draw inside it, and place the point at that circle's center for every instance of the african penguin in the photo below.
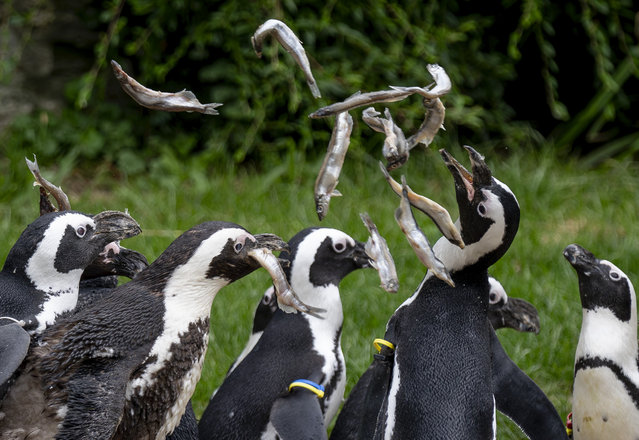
(41, 275)
(125, 367)
(605, 397)
(254, 399)
(449, 372)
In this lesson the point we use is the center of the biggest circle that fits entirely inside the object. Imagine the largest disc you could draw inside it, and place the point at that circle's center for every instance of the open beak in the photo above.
(114, 225)
(261, 251)
(116, 260)
(359, 256)
(470, 182)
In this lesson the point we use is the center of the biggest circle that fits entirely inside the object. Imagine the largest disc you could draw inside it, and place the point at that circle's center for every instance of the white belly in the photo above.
(602, 407)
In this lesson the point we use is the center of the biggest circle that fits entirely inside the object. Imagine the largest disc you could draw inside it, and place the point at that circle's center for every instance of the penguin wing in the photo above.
(365, 401)
(298, 416)
(521, 400)
(96, 397)
(14, 345)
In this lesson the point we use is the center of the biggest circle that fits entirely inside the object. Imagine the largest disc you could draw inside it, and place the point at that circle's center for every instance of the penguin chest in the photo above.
(603, 407)
(158, 394)
(335, 385)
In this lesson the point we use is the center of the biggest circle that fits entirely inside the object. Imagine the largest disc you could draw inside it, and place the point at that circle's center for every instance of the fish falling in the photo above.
(332, 166)
(184, 101)
(289, 41)
(438, 214)
(381, 259)
(395, 149)
(418, 240)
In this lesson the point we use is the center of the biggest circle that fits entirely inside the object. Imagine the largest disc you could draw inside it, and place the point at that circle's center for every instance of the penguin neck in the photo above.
(604, 335)
(326, 297)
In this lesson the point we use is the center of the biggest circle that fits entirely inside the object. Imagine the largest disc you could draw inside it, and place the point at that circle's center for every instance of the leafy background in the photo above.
(546, 90)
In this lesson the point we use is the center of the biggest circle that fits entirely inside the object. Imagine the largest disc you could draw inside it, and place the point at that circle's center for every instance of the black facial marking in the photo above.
(598, 289)
(230, 264)
(597, 362)
(330, 267)
(75, 252)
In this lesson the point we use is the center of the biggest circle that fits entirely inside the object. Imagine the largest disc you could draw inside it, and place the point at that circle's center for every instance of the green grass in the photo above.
(561, 203)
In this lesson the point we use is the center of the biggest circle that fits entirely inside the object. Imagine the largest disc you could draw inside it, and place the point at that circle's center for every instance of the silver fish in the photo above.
(442, 84)
(184, 101)
(55, 191)
(381, 259)
(289, 41)
(433, 121)
(360, 100)
(395, 149)
(286, 297)
(370, 117)
(418, 240)
(438, 214)
(328, 176)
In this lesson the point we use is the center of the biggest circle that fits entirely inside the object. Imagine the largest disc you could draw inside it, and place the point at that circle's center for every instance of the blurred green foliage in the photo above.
(204, 46)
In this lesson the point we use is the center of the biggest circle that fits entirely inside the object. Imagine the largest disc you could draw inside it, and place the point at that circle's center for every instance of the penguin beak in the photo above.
(114, 225)
(271, 242)
(116, 260)
(481, 176)
(581, 259)
(516, 313)
(358, 254)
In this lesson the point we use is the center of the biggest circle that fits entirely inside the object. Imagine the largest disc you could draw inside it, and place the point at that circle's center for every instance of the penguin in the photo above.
(41, 275)
(257, 399)
(605, 396)
(507, 312)
(126, 366)
(447, 372)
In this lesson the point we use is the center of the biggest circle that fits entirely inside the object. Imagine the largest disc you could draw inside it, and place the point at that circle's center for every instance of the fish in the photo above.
(184, 101)
(360, 100)
(442, 84)
(418, 240)
(380, 257)
(46, 186)
(289, 41)
(286, 297)
(438, 214)
(395, 149)
(328, 176)
(433, 121)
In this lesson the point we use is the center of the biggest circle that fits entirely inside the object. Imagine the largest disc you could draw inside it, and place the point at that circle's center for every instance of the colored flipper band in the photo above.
(378, 342)
(309, 385)
(569, 425)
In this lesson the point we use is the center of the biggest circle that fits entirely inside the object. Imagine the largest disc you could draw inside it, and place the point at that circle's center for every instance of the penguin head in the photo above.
(488, 213)
(602, 285)
(324, 256)
(220, 252)
(66, 242)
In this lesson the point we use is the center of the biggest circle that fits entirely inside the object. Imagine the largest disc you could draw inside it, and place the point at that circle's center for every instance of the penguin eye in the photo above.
(339, 247)
(80, 231)
(238, 247)
(493, 298)
(481, 209)
(615, 276)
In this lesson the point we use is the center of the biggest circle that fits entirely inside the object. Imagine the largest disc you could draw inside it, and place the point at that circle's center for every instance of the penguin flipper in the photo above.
(96, 401)
(14, 345)
(521, 400)
(298, 416)
(365, 400)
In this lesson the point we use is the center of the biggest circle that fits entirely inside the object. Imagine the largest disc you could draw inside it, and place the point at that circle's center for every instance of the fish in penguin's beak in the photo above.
(481, 176)
(113, 226)
(262, 252)
(359, 256)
